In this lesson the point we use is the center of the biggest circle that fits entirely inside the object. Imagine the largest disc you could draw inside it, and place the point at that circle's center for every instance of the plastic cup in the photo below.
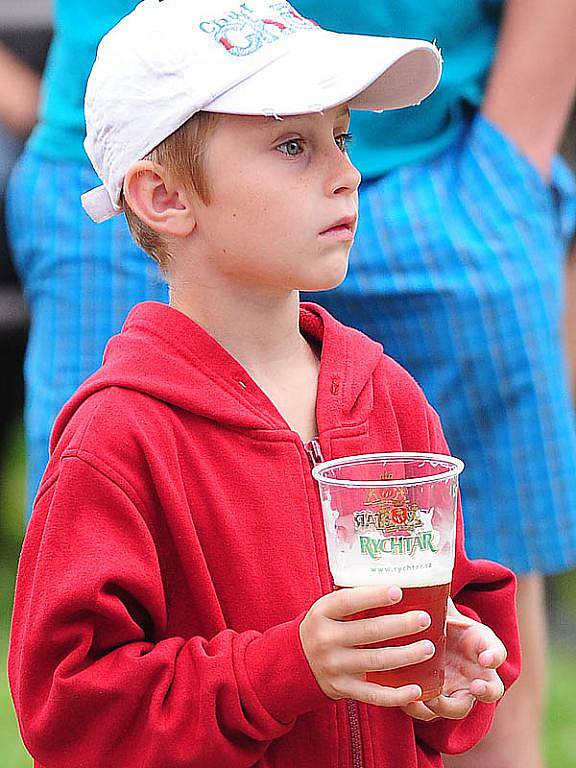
(390, 518)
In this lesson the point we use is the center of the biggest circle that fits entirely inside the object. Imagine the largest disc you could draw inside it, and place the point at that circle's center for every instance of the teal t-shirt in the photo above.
(465, 30)
(78, 28)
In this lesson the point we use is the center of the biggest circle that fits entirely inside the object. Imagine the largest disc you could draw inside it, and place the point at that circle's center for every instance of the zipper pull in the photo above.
(314, 452)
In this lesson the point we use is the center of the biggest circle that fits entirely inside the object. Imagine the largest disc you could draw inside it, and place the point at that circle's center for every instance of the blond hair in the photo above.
(182, 155)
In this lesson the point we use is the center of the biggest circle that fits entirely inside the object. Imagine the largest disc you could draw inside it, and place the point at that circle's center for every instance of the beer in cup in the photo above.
(390, 519)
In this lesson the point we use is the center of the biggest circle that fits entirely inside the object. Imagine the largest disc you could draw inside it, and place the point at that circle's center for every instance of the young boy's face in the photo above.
(277, 189)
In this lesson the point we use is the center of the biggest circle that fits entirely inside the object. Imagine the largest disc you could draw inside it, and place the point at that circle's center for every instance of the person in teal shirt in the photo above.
(457, 269)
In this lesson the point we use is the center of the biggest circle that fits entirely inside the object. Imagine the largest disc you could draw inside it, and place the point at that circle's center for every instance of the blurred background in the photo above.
(25, 30)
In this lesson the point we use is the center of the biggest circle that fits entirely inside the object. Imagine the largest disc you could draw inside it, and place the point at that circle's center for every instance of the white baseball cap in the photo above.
(169, 59)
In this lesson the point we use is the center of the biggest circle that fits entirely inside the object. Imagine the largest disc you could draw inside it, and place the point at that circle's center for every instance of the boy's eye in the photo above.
(343, 140)
(295, 147)
(292, 147)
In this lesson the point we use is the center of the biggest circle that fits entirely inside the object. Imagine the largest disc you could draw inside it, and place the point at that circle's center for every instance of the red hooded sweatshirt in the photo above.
(175, 546)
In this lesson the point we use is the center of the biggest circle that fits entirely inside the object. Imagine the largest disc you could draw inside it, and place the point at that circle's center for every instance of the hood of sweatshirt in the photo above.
(164, 354)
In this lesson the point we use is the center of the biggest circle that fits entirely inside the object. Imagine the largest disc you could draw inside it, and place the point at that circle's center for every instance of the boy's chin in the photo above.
(326, 282)
(320, 288)
(327, 274)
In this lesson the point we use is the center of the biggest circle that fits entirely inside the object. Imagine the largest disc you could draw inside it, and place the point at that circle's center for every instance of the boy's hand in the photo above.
(473, 654)
(329, 645)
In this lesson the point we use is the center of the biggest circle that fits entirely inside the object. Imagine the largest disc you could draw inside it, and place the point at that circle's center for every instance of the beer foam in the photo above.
(368, 558)
(401, 575)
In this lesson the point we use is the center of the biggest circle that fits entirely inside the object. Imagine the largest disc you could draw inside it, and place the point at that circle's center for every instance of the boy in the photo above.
(174, 605)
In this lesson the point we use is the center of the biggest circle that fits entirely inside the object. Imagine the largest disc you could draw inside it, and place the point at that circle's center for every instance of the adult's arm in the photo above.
(19, 93)
(532, 83)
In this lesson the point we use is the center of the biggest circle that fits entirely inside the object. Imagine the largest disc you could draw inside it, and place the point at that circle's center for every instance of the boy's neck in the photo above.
(263, 335)
(258, 332)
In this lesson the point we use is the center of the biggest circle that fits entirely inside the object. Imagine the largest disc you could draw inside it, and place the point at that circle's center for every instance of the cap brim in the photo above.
(368, 73)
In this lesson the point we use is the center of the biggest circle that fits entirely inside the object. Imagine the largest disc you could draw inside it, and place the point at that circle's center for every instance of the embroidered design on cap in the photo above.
(242, 33)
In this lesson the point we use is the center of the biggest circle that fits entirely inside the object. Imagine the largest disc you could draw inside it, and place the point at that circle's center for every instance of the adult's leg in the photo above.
(515, 738)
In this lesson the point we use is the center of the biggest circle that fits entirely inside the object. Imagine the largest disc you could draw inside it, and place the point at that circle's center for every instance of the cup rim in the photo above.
(319, 469)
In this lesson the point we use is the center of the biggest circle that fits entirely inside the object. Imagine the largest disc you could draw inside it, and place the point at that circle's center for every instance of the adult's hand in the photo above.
(19, 94)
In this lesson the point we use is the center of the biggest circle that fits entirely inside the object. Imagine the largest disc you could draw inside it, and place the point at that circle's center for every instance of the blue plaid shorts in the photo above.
(80, 280)
(457, 269)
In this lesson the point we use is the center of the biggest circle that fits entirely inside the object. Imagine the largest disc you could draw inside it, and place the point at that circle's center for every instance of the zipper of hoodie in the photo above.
(314, 452)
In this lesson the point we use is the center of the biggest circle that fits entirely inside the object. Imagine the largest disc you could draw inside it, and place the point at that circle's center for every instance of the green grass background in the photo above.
(560, 725)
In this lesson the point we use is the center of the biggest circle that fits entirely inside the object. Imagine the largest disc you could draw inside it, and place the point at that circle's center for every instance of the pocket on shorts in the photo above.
(554, 197)
(523, 161)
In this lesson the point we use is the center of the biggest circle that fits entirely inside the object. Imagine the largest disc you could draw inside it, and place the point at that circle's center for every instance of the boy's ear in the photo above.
(159, 203)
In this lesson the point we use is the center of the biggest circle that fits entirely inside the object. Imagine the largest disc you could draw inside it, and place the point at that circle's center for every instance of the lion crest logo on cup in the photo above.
(400, 525)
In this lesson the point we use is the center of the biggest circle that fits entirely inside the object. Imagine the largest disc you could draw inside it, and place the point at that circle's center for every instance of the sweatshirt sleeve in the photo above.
(96, 676)
(484, 591)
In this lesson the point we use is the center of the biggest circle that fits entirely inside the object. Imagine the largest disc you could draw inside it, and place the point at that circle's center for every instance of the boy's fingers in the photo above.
(349, 600)
(487, 692)
(358, 660)
(493, 656)
(419, 711)
(453, 707)
(487, 648)
(381, 695)
(375, 630)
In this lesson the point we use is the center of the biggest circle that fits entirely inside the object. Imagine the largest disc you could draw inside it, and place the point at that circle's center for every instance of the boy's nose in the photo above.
(346, 177)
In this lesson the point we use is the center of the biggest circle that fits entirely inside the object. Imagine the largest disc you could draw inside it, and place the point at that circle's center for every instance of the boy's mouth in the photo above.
(343, 229)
